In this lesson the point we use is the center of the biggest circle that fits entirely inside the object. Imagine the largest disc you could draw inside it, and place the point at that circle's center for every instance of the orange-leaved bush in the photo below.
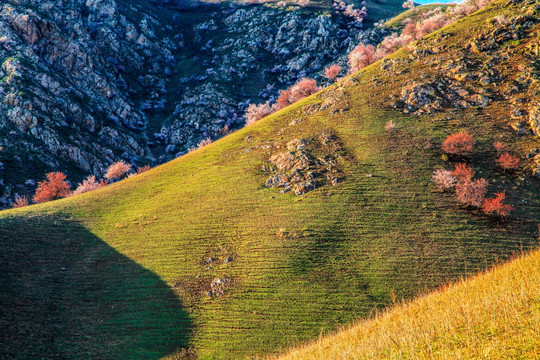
(499, 147)
(463, 172)
(508, 161)
(117, 170)
(496, 205)
(471, 192)
(458, 144)
(55, 187)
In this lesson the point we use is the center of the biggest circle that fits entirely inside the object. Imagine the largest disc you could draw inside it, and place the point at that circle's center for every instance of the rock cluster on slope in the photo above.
(306, 165)
(473, 79)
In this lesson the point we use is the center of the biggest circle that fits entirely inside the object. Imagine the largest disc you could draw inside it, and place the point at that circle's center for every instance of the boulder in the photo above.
(534, 118)
(418, 95)
(27, 27)
(290, 161)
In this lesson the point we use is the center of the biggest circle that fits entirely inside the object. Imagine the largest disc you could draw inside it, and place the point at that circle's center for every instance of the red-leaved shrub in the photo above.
(463, 172)
(142, 169)
(297, 92)
(117, 170)
(357, 14)
(499, 147)
(55, 187)
(302, 89)
(508, 161)
(282, 100)
(332, 72)
(471, 192)
(496, 205)
(417, 30)
(458, 144)
(20, 201)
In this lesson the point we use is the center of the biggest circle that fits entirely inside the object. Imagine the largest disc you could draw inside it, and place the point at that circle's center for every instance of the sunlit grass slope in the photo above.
(124, 272)
(495, 315)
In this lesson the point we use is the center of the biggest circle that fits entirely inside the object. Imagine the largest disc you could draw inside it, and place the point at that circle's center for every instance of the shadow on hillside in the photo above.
(410, 261)
(73, 297)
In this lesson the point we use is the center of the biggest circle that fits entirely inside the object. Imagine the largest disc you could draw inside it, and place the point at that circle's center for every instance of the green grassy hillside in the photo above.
(199, 259)
(495, 315)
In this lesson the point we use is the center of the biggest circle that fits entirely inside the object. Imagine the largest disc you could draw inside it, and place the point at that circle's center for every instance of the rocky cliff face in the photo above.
(86, 83)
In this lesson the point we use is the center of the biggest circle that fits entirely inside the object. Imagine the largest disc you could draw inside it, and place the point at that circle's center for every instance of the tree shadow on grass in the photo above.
(66, 294)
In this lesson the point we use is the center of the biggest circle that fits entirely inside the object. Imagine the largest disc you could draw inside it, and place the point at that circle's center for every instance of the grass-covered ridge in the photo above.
(495, 315)
(142, 255)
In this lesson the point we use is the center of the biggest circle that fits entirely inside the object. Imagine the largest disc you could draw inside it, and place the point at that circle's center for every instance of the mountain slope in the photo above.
(493, 315)
(253, 270)
(86, 83)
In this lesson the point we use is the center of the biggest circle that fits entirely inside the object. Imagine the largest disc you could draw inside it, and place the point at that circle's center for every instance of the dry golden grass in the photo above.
(495, 315)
